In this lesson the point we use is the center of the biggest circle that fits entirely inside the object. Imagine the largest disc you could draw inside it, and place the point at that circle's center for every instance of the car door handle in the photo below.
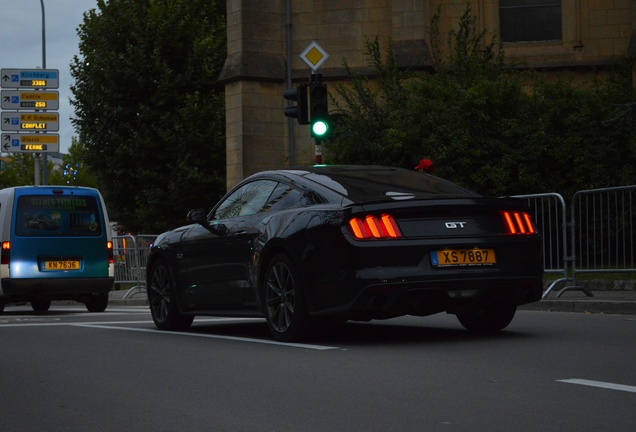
(241, 235)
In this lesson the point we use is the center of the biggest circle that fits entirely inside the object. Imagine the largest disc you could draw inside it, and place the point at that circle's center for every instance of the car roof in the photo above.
(369, 183)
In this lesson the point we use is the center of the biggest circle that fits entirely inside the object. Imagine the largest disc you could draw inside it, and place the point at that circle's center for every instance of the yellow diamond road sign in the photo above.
(314, 56)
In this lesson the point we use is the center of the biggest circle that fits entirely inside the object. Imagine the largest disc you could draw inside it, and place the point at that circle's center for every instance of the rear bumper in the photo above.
(388, 300)
(54, 289)
(385, 279)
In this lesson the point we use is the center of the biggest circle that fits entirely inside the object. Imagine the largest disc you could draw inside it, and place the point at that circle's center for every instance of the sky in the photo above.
(21, 44)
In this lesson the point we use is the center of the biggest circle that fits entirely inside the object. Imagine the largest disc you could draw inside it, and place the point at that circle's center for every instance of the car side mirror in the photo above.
(197, 216)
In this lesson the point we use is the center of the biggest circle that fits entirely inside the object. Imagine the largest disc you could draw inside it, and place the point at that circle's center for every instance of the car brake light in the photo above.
(373, 227)
(518, 223)
(6, 252)
(109, 247)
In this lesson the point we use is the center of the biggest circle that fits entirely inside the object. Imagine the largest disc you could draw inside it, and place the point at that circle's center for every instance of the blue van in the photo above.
(56, 245)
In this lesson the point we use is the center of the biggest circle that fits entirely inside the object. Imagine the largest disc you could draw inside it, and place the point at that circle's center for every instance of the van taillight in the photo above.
(6, 252)
(109, 247)
(518, 223)
(374, 227)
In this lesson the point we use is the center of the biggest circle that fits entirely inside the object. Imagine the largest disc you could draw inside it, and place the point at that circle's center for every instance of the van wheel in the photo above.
(97, 303)
(40, 305)
(2, 305)
(162, 299)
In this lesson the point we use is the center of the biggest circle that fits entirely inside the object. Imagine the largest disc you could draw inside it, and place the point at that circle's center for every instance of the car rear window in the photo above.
(378, 184)
(57, 216)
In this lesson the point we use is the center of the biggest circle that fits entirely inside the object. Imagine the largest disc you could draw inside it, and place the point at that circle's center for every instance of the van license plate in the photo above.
(62, 265)
(463, 257)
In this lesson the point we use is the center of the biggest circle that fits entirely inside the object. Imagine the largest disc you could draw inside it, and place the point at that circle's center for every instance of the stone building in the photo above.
(266, 38)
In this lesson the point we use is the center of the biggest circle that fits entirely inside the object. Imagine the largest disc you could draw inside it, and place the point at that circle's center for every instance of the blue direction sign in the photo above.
(30, 78)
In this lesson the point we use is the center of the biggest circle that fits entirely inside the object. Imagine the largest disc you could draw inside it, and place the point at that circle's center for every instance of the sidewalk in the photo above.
(602, 301)
(607, 302)
(130, 297)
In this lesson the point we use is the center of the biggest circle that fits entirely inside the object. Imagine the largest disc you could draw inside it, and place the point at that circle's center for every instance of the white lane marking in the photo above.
(601, 384)
(82, 312)
(28, 322)
(210, 336)
(31, 324)
(120, 325)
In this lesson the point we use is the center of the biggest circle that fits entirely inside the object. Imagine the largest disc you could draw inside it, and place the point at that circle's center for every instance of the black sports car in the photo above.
(310, 246)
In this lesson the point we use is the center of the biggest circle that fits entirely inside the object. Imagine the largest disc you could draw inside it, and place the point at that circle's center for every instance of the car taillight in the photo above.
(6, 252)
(109, 247)
(374, 227)
(518, 223)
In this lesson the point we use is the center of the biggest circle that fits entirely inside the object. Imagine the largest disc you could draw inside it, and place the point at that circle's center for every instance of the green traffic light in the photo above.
(319, 128)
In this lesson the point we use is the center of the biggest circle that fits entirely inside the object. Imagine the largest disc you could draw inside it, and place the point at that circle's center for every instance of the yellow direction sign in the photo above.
(30, 100)
(314, 56)
(30, 122)
(35, 143)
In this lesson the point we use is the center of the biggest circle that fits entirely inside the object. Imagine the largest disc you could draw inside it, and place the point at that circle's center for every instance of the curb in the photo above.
(128, 302)
(614, 307)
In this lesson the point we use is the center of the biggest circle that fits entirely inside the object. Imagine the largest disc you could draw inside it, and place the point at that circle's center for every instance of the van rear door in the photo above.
(59, 233)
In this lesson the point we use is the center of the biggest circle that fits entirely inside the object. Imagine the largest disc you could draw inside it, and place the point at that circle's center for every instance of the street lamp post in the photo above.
(44, 156)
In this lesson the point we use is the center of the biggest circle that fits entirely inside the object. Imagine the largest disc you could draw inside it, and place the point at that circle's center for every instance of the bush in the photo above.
(485, 122)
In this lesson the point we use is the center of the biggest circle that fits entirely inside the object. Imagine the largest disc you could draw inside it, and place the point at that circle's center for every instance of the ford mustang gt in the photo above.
(310, 246)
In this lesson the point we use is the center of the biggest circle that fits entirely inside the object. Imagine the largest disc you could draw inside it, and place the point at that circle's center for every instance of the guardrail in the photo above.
(601, 229)
(604, 231)
(549, 211)
(131, 256)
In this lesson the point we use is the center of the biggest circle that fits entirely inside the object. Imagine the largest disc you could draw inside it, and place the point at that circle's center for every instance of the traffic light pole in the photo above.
(311, 107)
(318, 150)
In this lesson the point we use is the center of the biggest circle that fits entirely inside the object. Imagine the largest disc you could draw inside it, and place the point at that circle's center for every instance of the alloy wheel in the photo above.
(159, 293)
(285, 309)
(280, 297)
(162, 299)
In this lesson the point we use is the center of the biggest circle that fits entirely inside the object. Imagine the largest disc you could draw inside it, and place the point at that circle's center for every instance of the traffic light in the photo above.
(298, 111)
(319, 110)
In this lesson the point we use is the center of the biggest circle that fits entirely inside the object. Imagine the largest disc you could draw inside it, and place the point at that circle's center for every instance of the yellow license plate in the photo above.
(463, 257)
(62, 265)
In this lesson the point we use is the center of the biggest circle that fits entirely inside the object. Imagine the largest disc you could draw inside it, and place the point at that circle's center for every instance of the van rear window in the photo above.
(57, 216)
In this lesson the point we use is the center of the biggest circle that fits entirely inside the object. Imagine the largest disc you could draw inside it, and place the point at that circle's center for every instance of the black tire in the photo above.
(285, 307)
(2, 305)
(97, 303)
(489, 319)
(40, 305)
(162, 299)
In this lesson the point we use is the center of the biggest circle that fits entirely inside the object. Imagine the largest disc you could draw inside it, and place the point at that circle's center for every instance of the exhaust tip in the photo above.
(377, 302)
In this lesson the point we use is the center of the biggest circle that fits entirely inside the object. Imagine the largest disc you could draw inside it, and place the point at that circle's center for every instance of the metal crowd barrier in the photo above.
(131, 256)
(601, 233)
(549, 212)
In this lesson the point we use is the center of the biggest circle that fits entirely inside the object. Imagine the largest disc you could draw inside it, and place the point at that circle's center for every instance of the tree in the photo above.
(73, 172)
(486, 124)
(400, 116)
(369, 125)
(149, 108)
(19, 171)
